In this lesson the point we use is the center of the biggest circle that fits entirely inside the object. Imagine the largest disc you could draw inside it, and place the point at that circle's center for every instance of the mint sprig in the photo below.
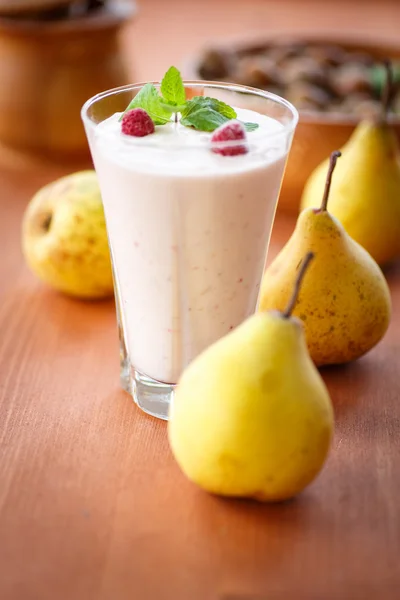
(201, 112)
(206, 114)
(150, 101)
(211, 104)
(172, 88)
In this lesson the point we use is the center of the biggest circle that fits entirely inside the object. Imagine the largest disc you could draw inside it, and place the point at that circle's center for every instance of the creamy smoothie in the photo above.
(188, 231)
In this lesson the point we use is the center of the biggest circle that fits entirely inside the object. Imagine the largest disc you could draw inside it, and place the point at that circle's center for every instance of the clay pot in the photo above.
(48, 69)
(18, 7)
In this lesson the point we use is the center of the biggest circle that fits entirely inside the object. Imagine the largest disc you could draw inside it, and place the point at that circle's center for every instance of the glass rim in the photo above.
(286, 129)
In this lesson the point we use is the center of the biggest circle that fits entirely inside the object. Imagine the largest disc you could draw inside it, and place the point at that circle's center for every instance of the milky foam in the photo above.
(180, 150)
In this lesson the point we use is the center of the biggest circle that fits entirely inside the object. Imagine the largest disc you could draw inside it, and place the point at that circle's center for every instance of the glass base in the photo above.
(124, 374)
(150, 395)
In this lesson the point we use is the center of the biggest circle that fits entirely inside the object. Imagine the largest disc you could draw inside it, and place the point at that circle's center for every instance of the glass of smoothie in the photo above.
(188, 224)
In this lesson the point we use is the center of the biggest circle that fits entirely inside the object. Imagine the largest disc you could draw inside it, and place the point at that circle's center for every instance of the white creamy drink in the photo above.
(188, 230)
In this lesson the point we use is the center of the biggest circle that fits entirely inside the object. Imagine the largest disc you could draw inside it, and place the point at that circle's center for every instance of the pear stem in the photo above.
(297, 285)
(387, 93)
(332, 164)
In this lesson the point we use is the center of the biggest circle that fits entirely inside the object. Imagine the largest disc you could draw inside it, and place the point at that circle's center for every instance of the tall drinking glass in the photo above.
(188, 229)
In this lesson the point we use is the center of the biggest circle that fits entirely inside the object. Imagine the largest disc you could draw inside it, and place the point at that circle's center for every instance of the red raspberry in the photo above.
(137, 122)
(231, 131)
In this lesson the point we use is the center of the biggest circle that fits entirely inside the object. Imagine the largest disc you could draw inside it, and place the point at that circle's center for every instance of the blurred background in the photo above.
(183, 27)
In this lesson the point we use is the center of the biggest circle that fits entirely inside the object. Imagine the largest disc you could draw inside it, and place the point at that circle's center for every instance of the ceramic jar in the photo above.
(48, 69)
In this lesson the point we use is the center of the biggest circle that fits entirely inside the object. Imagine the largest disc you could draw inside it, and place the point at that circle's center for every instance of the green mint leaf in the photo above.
(150, 101)
(250, 126)
(172, 88)
(172, 108)
(200, 102)
(204, 120)
(206, 114)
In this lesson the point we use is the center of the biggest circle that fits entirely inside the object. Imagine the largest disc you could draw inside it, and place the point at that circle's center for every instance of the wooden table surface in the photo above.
(92, 504)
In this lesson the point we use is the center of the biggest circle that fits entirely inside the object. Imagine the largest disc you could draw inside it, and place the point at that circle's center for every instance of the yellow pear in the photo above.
(365, 194)
(345, 301)
(64, 237)
(251, 415)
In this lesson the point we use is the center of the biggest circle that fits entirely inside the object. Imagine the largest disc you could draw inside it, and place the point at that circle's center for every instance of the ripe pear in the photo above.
(251, 415)
(345, 301)
(64, 237)
(365, 194)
